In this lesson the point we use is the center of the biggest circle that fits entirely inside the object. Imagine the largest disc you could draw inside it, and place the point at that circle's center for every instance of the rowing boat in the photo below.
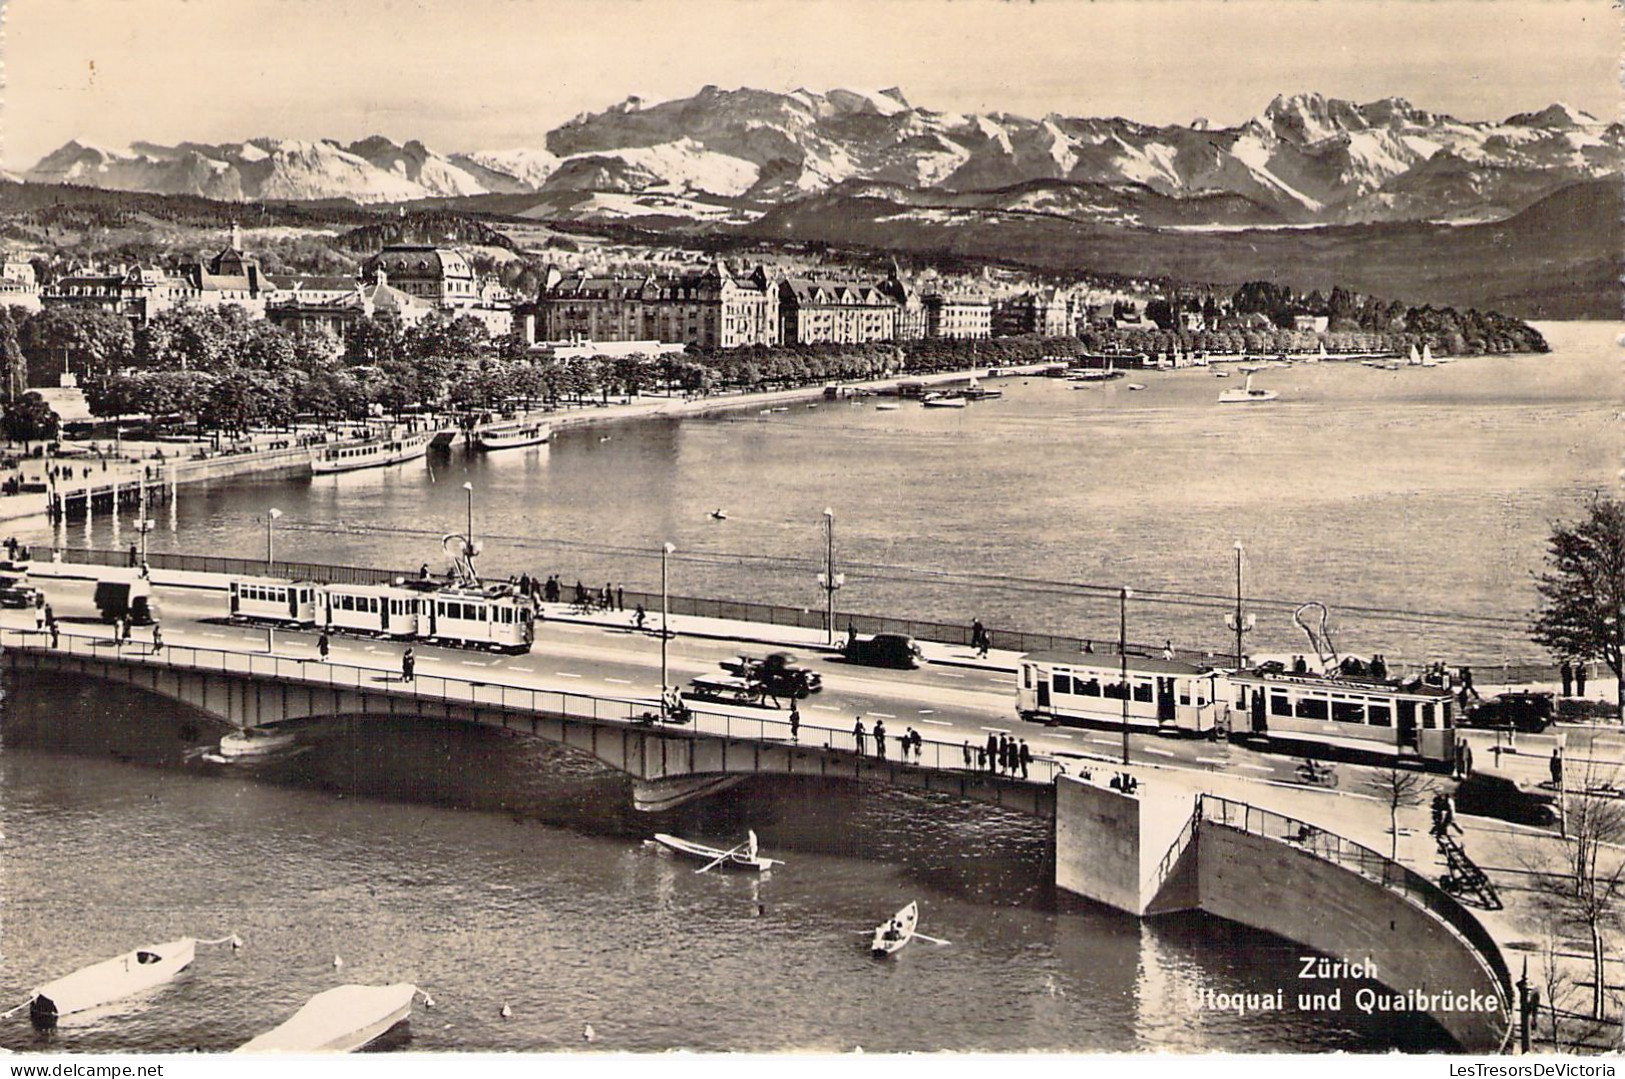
(110, 980)
(255, 742)
(743, 856)
(339, 1020)
(891, 936)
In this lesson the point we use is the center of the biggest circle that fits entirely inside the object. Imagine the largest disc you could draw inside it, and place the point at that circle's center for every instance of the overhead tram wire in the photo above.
(889, 573)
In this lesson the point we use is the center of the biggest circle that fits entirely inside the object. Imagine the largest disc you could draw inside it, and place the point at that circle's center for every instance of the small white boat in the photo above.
(1415, 359)
(892, 935)
(719, 514)
(391, 449)
(111, 980)
(887, 406)
(255, 742)
(1220, 373)
(780, 408)
(1246, 395)
(1135, 386)
(938, 400)
(978, 392)
(1427, 357)
(339, 1020)
(744, 856)
(510, 435)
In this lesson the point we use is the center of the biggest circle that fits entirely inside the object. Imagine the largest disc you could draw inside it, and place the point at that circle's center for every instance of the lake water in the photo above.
(1414, 503)
(493, 871)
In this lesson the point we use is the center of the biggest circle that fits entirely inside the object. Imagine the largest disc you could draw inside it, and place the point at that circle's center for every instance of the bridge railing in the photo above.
(1367, 863)
(426, 684)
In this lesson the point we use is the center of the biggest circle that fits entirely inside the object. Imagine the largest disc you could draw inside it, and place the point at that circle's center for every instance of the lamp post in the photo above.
(666, 551)
(270, 540)
(829, 580)
(1239, 621)
(469, 487)
(143, 524)
(1122, 656)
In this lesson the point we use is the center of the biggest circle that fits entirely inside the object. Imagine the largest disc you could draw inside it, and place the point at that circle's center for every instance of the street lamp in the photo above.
(270, 542)
(1238, 621)
(469, 542)
(1122, 656)
(666, 551)
(829, 580)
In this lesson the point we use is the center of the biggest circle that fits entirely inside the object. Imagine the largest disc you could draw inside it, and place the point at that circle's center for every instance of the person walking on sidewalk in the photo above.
(409, 663)
(322, 646)
(1557, 768)
(967, 756)
(639, 617)
(795, 722)
(992, 752)
(1026, 758)
(859, 738)
(880, 739)
(1580, 677)
(1566, 673)
(157, 638)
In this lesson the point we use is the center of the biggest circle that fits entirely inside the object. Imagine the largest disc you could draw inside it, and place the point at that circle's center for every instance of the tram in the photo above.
(1082, 689)
(1413, 720)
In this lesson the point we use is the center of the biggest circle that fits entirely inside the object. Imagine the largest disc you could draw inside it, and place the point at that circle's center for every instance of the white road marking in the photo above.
(1003, 681)
(948, 674)
(937, 722)
(527, 670)
(555, 627)
(471, 663)
(1104, 741)
(997, 730)
(883, 715)
(620, 681)
(829, 708)
(1212, 760)
(1256, 767)
(206, 633)
(1068, 737)
(370, 648)
(565, 674)
(928, 711)
(1158, 752)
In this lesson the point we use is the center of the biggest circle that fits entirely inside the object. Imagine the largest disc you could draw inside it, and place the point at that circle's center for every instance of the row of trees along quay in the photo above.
(229, 372)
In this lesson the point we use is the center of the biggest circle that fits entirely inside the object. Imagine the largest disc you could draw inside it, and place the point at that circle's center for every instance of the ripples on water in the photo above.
(489, 869)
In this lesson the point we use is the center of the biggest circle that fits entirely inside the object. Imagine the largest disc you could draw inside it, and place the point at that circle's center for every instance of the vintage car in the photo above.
(1529, 712)
(884, 650)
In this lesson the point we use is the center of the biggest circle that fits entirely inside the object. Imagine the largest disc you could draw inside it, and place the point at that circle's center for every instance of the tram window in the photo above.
(1142, 692)
(1062, 683)
(1090, 688)
(1348, 712)
(1312, 708)
(1115, 690)
(482, 613)
(1184, 693)
(1280, 705)
(1379, 715)
(1427, 716)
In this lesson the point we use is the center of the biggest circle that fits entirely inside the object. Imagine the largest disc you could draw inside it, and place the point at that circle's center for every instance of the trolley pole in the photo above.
(1239, 627)
(829, 580)
(665, 605)
(1122, 657)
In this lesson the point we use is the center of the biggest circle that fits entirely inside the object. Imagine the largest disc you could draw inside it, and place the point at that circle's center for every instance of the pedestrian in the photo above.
(795, 722)
(1168, 649)
(118, 629)
(981, 758)
(56, 634)
(992, 752)
(423, 572)
(1026, 758)
(524, 584)
(1438, 811)
(1566, 673)
(620, 597)
(132, 556)
(50, 615)
(581, 595)
(1580, 677)
(1460, 748)
(323, 643)
(1450, 815)
(129, 625)
(157, 638)
(1467, 681)
(978, 637)
(919, 747)
(858, 737)
(639, 617)
(880, 739)
(1379, 667)
(1557, 768)
(608, 597)
(409, 662)
(1088, 648)
(1466, 759)
(1004, 753)
(967, 756)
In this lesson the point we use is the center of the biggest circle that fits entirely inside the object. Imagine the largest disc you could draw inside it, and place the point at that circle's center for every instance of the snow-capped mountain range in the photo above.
(1304, 159)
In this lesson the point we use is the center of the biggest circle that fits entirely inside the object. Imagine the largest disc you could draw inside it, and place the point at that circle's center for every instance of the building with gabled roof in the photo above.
(711, 308)
(817, 310)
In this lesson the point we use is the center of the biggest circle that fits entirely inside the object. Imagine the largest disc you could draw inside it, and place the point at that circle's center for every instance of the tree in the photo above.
(29, 419)
(13, 365)
(1397, 788)
(87, 341)
(1586, 885)
(1582, 615)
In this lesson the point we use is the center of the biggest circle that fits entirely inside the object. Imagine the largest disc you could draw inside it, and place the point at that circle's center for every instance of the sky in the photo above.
(495, 74)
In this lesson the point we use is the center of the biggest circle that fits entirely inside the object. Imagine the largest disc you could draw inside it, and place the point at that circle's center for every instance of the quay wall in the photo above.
(1110, 846)
(293, 460)
(1272, 885)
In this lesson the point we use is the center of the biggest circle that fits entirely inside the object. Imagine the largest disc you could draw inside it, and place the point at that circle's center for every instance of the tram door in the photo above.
(1043, 692)
(1260, 725)
(1165, 700)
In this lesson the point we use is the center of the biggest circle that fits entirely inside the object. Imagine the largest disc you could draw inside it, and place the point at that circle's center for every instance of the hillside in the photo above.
(1560, 258)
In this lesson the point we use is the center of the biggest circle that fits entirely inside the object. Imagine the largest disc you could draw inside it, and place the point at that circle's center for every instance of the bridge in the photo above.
(1164, 848)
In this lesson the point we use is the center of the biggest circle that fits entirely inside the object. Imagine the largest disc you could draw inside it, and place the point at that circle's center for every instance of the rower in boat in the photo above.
(892, 935)
(744, 856)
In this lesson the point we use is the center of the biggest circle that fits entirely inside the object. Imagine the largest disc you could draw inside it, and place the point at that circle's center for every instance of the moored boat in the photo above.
(110, 980)
(510, 435)
(1246, 395)
(392, 448)
(892, 935)
(744, 856)
(339, 1020)
(940, 400)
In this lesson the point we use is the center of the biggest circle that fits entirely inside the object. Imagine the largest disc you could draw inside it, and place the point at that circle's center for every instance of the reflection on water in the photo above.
(492, 869)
